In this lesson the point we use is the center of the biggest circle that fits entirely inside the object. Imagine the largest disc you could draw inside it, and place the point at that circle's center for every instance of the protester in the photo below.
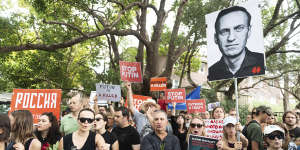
(187, 119)
(254, 131)
(83, 138)
(290, 120)
(22, 137)
(110, 122)
(206, 115)
(197, 127)
(271, 120)
(229, 140)
(178, 126)
(127, 136)
(160, 139)
(218, 113)
(4, 131)
(297, 111)
(68, 123)
(48, 131)
(100, 125)
(232, 112)
(288, 143)
(274, 136)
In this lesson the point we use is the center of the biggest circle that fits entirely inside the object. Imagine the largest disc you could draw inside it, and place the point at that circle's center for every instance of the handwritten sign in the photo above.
(203, 143)
(101, 102)
(214, 128)
(175, 95)
(197, 105)
(158, 84)
(108, 92)
(130, 71)
(212, 106)
(37, 101)
(138, 100)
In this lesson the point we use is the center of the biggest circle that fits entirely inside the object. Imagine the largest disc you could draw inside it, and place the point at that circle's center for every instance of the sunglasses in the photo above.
(83, 120)
(98, 119)
(193, 125)
(273, 136)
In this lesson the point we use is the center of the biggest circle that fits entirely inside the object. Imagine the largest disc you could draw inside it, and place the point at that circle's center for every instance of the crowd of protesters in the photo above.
(150, 128)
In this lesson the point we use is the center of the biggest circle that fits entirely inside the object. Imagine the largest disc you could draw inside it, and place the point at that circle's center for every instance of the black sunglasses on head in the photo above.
(193, 125)
(273, 136)
(83, 120)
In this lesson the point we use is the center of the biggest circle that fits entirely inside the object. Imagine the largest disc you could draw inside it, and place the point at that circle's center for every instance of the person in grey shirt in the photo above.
(160, 139)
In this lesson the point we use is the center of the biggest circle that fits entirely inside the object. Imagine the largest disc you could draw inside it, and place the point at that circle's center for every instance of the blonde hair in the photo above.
(189, 130)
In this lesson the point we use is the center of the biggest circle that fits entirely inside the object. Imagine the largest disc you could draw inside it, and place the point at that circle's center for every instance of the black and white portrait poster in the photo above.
(235, 46)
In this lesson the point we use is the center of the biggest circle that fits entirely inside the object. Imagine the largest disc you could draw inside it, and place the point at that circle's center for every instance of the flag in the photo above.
(195, 94)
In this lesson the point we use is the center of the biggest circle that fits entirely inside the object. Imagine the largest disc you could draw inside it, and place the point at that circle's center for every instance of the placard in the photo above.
(214, 128)
(158, 84)
(37, 101)
(108, 92)
(212, 106)
(197, 105)
(201, 143)
(138, 100)
(99, 102)
(130, 71)
(175, 95)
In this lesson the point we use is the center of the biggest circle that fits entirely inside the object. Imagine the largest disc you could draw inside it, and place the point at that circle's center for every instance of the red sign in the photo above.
(130, 71)
(138, 100)
(197, 105)
(37, 101)
(158, 84)
(175, 95)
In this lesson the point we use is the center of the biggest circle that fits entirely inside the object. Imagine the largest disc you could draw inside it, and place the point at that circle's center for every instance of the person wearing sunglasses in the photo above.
(274, 137)
(100, 128)
(229, 140)
(83, 138)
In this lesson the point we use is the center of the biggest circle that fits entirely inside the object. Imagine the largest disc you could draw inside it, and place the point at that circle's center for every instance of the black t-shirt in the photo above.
(294, 133)
(109, 138)
(127, 137)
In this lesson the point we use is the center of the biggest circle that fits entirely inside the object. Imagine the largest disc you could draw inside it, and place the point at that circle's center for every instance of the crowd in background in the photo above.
(150, 128)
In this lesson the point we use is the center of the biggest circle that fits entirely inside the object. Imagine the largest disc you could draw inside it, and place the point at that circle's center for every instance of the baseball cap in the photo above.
(150, 101)
(271, 128)
(228, 120)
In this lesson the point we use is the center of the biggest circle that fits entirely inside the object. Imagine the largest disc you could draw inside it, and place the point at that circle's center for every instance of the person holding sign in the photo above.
(218, 113)
(232, 30)
(196, 128)
(229, 140)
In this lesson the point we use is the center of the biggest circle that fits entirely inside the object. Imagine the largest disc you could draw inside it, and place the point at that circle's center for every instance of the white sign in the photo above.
(99, 102)
(212, 106)
(108, 92)
(214, 128)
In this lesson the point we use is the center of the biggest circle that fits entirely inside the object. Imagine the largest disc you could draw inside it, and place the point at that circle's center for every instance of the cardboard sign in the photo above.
(138, 100)
(101, 102)
(175, 95)
(203, 143)
(108, 92)
(212, 106)
(158, 84)
(130, 71)
(214, 128)
(197, 105)
(37, 101)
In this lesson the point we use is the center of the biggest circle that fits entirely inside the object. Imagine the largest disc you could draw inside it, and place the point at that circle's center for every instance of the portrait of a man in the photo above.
(232, 31)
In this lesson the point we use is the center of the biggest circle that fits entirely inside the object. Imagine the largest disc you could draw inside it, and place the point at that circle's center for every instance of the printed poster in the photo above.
(195, 105)
(201, 143)
(158, 84)
(130, 71)
(175, 95)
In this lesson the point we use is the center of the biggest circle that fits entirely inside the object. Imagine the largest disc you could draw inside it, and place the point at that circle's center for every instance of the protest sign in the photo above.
(158, 84)
(175, 95)
(37, 101)
(99, 102)
(130, 71)
(212, 106)
(108, 92)
(214, 128)
(197, 105)
(138, 100)
(201, 143)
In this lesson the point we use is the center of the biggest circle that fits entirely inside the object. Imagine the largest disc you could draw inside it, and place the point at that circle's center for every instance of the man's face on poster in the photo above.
(232, 33)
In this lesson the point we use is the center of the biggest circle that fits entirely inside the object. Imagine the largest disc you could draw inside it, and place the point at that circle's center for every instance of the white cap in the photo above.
(271, 128)
(150, 101)
(229, 119)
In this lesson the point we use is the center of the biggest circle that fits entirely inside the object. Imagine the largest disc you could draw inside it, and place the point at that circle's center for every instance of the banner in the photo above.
(175, 95)
(37, 101)
(212, 106)
(158, 84)
(130, 71)
(101, 102)
(214, 128)
(138, 100)
(197, 105)
(108, 92)
(201, 143)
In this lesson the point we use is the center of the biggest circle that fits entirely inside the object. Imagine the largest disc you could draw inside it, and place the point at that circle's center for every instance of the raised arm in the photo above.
(111, 107)
(174, 109)
(96, 105)
(129, 96)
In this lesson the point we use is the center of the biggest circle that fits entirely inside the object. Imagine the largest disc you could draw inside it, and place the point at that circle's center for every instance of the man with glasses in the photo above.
(254, 131)
(290, 120)
(160, 139)
(233, 29)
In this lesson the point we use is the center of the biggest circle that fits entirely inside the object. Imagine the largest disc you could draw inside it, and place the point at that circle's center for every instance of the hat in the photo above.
(229, 119)
(271, 128)
(150, 101)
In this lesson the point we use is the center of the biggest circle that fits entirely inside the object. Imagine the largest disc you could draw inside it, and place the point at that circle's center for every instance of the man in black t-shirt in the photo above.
(290, 119)
(127, 135)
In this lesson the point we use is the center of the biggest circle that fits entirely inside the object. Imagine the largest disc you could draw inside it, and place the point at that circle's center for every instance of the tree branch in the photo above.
(288, 51)
(270, 25)
(67, 25)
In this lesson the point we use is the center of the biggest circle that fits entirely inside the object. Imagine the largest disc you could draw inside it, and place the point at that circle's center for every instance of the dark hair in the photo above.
(22, 128)
(86, 109)
(229, 10)
(124, 110)
(289, 112)
(104, 116)
(53, 132)
(263, 109)
(253, 112)
(5, 125)
(216, 109)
